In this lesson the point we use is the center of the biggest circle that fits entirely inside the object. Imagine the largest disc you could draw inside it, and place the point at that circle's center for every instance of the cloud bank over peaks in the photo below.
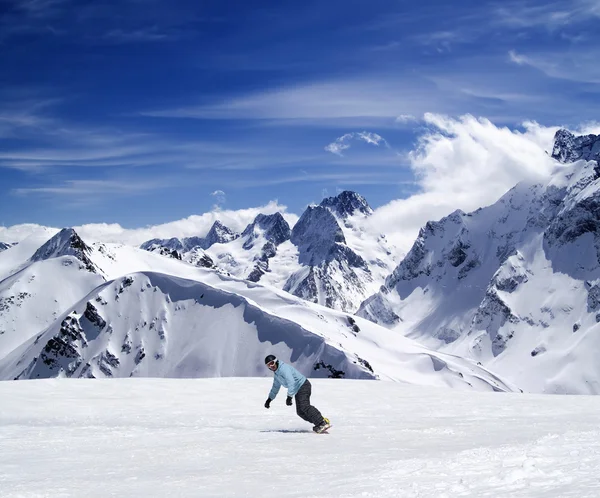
(345, 141)
(464, 163)
(195, 225)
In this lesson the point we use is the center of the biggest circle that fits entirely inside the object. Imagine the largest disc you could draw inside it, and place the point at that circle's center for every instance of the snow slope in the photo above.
(213, 438)
(46, 274)
(157, 325)
(330, 256)
(513, 285)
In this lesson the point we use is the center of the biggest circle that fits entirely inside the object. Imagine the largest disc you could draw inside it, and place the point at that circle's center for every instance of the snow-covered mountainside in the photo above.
(156, 325)
(40, 278)
(568, 148)
(218, 234)
(342, 263)
(38, 283)
(514, 285)
(329, 257)
(195, 256)
(161, 316)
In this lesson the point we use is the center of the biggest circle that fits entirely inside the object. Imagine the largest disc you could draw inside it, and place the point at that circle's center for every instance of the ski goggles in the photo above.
(271, 364)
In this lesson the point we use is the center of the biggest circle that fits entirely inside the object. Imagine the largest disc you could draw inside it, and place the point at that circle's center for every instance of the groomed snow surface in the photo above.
(213, 438)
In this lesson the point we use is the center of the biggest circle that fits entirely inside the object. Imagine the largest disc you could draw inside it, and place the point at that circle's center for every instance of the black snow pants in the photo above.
(303, 407)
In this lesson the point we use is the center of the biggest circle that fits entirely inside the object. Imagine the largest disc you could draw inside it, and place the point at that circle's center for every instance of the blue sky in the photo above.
(144, 111)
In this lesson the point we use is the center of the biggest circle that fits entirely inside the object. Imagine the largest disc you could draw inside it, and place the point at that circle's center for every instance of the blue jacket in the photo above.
(287, 376)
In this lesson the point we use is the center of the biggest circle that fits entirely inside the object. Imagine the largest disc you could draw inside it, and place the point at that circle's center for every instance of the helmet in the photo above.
(270, 358)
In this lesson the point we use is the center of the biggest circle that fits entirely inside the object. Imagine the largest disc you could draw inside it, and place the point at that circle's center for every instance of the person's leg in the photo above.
(303, 407)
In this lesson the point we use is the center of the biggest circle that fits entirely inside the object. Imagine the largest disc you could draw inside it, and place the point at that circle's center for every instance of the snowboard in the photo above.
(324, 431)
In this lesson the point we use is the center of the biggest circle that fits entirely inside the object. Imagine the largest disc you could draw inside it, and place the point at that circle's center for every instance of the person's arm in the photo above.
(274, 389)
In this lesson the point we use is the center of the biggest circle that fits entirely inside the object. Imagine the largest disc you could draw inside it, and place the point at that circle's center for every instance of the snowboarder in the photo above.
(299, 387)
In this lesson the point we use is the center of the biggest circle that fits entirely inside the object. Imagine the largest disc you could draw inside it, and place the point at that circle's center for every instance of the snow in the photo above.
(510, 285)
(213, 438)
(156, 325)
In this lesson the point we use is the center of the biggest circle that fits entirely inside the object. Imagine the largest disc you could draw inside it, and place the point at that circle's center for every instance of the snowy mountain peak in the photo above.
(174, 244)
(514, 284)
(347, 203)
(4, 246)
(272, 227)
(219, 234)
(315, 233)
(66, 243)
(569, 148)
(333, 274)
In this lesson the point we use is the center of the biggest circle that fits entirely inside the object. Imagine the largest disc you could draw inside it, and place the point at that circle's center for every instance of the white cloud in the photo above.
(405, 118)
(464, 163)
(220, 198)
(578, 66)
(17, 233)
(344, 142)
(195, 225)
(551, 14)
(461, 163)
(383, 98)
(95, 187)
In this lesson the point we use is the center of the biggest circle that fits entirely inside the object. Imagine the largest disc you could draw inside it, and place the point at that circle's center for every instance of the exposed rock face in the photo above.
(218, 234)
(316, 235)
(506, 278)
(66, 243)
(323, 259)
(273, 228)
(568, 148)
(332, 273)
(269, 230)
(347, 203)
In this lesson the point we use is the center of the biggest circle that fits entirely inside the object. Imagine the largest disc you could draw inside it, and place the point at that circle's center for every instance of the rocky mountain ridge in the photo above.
(511, 285)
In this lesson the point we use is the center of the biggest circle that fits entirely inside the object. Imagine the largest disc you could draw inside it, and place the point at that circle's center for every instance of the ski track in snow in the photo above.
(213, 438)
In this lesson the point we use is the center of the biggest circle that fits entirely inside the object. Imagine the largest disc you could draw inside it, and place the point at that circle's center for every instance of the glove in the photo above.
(288, 401)
(268, 403)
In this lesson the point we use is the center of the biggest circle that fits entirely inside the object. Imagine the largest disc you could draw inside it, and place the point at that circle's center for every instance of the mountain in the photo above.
(38, 283)
(569, 148)
(195, 256)
(513, 285)
(125, 311)
(341, 262)
(332, 274)
(330, 256)
(218, 234)
(272, 228)
(347, 203)
(157, 325)
(66, 243)
(248, 255)
(267, 232)
(42, 277)
(4, 246)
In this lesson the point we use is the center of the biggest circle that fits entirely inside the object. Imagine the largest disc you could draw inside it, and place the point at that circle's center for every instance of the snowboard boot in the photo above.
(323, 426)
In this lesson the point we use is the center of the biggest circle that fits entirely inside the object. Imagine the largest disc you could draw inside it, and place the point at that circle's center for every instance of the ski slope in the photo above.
(213, 438)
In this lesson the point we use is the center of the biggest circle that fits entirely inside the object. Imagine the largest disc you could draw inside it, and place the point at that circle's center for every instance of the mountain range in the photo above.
(328, 257)
(503, 298)
(515, 285)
